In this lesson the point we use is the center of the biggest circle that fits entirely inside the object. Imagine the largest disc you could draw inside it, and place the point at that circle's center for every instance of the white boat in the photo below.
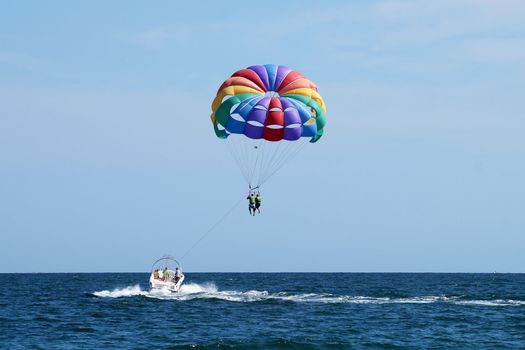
(166, 274)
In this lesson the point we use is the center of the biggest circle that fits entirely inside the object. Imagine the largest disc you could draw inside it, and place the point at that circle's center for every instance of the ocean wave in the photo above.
(193, 291)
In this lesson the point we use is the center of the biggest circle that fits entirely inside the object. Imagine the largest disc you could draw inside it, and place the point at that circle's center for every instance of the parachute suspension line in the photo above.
(236, 154)
(263, 148)
(248, 148)
(296, 149)
(256, 151)
(273, 151)
(291, 156)
(292, 147)
(233, 153)
(212, 227)
(238, 150)
(258, 160)
(271, 159)
(244, 157)
(287, 147)
(248, 158)
(276, 159)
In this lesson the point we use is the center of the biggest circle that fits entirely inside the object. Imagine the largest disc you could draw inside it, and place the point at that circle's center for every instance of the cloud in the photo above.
(399, 29)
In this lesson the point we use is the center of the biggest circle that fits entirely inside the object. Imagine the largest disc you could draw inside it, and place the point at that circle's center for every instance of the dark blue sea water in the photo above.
(264, 311)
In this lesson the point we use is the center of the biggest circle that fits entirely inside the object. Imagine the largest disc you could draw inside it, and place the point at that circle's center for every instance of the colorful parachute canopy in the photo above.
(269, 102)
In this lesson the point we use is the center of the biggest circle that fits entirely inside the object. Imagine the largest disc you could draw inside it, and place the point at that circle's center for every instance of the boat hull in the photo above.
(156, 283)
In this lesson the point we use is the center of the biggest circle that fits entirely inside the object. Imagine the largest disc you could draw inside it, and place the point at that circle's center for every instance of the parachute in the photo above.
(266, 114)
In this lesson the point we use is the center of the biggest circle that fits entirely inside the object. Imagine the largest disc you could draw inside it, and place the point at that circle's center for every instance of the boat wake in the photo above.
(192, 291)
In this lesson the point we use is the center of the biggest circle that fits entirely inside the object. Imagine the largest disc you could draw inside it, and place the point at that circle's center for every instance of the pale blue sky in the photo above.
(108, 159)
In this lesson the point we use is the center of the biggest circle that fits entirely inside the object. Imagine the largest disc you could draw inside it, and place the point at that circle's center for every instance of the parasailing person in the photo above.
(258, 200)
(251, 202)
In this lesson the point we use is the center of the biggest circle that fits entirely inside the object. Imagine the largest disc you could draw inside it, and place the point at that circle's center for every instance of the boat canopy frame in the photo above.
(166, 257)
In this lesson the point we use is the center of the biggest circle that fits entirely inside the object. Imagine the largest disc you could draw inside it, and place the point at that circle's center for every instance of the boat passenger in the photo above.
(156, 274)
(165, 274)
(178, 275)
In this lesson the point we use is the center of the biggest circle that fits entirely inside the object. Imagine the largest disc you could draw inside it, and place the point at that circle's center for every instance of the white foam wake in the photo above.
(193, 291)
(496, 302)
(117, 292)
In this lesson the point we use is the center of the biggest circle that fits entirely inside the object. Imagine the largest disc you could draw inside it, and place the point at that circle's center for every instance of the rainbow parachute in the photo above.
(267, 103)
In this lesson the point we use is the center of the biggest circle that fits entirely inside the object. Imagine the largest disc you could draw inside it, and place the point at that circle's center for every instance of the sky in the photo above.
(108, 158)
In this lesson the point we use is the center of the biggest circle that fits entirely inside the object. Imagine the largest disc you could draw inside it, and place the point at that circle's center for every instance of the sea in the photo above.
(264, 311)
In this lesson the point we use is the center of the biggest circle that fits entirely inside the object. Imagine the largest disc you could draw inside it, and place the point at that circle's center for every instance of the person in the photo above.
(258, 202)
(165, 274)
(251, 203)
(156, 274)
(178, 274)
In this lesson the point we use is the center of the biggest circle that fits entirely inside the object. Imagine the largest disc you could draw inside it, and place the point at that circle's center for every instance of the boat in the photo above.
(166, 274)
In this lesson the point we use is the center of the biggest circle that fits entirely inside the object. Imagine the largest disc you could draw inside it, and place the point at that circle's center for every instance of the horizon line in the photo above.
(276, 272)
